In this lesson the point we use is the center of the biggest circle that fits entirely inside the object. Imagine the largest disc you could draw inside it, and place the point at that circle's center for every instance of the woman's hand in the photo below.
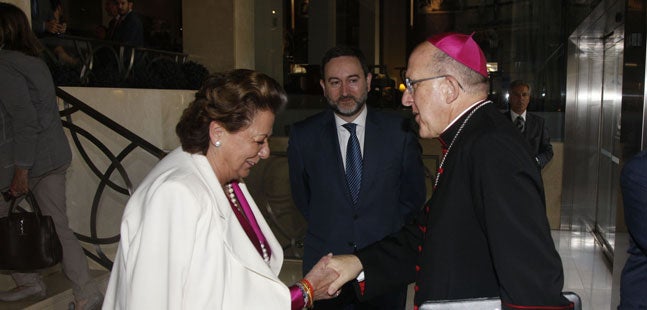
(321, 277)
(348, 267)
(20, 184)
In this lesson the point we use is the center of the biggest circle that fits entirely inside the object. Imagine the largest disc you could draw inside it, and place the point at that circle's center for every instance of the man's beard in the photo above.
(359, 103)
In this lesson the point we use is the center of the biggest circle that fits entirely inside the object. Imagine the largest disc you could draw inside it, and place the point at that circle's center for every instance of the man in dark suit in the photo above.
(633, 283)
(347, 209)
(484, 233)
(129, 28)
(531, 126)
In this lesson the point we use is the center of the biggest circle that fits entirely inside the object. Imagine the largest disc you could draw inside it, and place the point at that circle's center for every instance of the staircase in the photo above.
(99, 224)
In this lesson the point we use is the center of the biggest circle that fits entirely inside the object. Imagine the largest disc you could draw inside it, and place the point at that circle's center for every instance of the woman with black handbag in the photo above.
(34, 152)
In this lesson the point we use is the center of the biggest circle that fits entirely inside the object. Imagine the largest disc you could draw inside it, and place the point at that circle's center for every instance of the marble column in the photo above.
(218, 33)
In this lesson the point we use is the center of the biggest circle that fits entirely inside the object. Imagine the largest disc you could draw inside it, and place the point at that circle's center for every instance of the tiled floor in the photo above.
(585, 270)
(585, 273)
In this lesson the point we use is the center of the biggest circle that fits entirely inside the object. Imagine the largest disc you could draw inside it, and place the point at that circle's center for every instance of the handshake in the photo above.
(331, 273)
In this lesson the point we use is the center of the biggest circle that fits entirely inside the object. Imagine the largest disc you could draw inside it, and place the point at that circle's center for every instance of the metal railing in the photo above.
(124, 56)
(277, 208)
(72, 107)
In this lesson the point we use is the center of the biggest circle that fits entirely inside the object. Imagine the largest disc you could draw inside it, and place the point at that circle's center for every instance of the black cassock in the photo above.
(484, 232)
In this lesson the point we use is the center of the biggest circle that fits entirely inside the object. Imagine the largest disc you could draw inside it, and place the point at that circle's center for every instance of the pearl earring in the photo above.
(217, 144)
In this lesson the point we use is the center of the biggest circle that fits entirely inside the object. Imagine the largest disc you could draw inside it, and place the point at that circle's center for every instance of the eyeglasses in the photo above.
(409, 82)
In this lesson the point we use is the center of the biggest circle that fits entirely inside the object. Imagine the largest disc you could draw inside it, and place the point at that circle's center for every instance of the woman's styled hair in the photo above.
(232, 99)
(15, 32)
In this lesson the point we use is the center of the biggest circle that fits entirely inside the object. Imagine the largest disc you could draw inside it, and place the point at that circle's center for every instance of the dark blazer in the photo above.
(112, 25)
(633, 283)
(31, 133)
(129, 30)
(484, 233)
(537, 136)
(393, 183)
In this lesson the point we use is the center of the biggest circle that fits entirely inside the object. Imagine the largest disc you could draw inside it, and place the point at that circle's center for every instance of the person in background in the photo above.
(44, 18)
(47, 22)
(100, 32)
(531, 126)
(129, 29)
(35, 154)
(345, 214)
(191, 235)
(484, 232)
(633, 283)
(112, 10)
(159, 36)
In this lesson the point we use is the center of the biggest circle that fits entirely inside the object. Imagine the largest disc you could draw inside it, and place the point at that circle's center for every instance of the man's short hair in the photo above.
(342, 50)
(516, 83)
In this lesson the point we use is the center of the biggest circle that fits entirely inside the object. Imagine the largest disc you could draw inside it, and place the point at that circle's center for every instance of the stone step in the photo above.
(59, 292)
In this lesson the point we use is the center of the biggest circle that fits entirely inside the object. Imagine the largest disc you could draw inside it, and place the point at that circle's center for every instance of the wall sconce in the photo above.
(492, 66)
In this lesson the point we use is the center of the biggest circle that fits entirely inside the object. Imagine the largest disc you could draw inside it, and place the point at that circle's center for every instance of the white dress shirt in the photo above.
(513, 116)
(343, 134)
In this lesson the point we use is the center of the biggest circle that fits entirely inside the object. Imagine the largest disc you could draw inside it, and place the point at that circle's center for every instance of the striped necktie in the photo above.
(353, 162)
(520, 123)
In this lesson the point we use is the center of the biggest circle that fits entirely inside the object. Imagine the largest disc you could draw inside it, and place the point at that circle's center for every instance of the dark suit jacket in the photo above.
(484, 233)
(129, 30)
(537, 136)
(393, 183)
(633, 284)
(112, 25)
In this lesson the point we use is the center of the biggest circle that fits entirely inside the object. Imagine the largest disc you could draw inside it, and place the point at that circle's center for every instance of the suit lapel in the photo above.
(276, 260)
(242, 248)
(529, 124)
(372, 153)
(331, 154)
(235, 237)
(530, 127)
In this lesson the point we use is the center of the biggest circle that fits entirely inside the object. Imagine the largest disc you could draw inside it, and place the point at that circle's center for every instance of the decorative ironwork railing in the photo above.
(94, 54)
(267, 183)
(72, 106)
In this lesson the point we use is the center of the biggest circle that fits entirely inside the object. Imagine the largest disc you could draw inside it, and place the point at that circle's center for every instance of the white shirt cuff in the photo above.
(360, 277)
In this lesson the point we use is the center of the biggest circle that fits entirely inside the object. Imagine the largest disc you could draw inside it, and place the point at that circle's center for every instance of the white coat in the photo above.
(182, 246)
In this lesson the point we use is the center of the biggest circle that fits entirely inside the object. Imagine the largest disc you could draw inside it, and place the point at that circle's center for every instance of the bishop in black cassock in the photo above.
(484, 233)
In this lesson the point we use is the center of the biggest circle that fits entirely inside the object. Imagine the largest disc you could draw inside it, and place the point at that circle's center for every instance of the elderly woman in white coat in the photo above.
(191, 235)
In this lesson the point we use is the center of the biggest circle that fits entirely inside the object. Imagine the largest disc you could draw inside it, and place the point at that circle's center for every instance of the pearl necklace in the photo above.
(234, 201)
(460, 129)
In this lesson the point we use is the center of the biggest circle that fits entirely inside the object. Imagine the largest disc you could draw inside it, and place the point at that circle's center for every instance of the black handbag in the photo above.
(28, 240)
